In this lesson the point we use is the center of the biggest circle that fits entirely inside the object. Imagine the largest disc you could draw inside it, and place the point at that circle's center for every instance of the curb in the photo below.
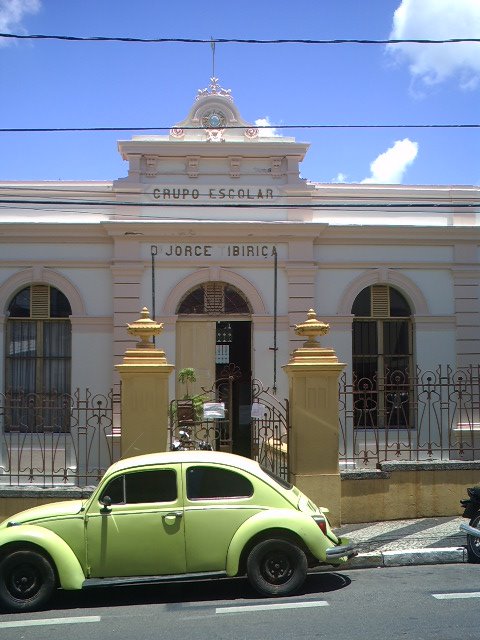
(408, 557)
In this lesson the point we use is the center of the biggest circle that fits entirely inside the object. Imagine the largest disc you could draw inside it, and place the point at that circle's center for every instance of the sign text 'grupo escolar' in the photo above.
(221, 193)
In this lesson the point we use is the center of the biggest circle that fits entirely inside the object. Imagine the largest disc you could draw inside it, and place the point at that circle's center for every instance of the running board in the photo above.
(180, 577)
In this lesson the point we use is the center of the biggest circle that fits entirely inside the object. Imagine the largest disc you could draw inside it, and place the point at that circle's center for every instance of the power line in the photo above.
(269, 126)
(71, 186)
(241, 205)
(211, 41)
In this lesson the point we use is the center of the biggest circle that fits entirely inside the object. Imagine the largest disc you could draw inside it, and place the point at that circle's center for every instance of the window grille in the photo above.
(382, 339)
(38, 360)
(214, 299)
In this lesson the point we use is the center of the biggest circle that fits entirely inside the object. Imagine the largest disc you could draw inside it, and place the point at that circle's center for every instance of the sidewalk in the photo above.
(407, 542)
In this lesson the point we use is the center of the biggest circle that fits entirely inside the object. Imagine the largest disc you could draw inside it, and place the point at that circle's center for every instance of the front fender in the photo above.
(292, 521)
(68, 567)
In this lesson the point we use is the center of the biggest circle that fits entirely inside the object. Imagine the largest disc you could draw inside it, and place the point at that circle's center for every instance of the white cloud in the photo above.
(266, 132)
(439, 20)
(341, 177)
(12, 13)
(389, 167)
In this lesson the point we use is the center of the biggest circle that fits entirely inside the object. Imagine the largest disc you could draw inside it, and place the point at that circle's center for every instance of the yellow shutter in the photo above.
(380, 301)
(40, 301)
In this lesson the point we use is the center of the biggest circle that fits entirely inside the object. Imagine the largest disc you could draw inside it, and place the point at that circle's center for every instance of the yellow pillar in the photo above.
(144, 373)
(313, 374)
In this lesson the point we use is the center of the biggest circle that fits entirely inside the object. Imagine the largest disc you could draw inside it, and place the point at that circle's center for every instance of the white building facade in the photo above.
(215, 232)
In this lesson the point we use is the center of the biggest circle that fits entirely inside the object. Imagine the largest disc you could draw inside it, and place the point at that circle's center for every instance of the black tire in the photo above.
(276, 567)
(27, 581)
(473, 544)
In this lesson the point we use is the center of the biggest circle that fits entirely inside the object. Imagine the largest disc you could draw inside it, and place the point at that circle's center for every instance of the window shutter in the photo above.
(380, 301)
(40, 301)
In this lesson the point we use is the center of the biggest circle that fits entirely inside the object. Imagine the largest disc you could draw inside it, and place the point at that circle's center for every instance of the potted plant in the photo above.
(190, 408)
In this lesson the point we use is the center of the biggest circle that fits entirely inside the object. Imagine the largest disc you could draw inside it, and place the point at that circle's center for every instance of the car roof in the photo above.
(170, 457)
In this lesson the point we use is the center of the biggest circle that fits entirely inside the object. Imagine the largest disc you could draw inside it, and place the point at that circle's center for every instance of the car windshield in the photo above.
(283, 483)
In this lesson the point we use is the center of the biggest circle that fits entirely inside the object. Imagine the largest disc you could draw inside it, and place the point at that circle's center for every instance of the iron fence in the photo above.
(268, 424)
(410, 416)
(57, 439)
(270, 430)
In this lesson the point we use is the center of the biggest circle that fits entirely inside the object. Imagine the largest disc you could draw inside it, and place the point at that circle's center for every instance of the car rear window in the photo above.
(210, 483)
(283, 483)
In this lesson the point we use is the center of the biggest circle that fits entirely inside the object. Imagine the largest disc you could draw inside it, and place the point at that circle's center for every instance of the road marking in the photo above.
(456, 596)
(269, 607)
(49, 621)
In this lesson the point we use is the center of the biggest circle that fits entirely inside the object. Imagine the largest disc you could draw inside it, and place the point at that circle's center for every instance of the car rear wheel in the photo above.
(473, 543)
(27, 581)
(276, 567)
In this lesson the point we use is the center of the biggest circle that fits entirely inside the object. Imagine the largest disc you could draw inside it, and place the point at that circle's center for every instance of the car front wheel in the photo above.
(27, 581)
(276, 567)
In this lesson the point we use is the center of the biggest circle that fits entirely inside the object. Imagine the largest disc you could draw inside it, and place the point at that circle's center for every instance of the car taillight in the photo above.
(322, 523)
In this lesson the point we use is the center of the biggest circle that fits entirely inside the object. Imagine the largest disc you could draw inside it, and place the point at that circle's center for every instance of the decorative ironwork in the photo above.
(429, 415)
(270, 429)
(224, 332)
(57, 439)
(188, 426)
(214, 298)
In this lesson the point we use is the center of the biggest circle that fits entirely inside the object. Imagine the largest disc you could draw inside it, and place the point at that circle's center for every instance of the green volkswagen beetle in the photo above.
(182, 515)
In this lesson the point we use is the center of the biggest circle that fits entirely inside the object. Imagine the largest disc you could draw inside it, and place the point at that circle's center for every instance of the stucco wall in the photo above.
(402, 491)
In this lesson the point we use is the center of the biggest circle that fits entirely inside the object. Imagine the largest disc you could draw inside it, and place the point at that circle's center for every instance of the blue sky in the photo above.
(73, 84)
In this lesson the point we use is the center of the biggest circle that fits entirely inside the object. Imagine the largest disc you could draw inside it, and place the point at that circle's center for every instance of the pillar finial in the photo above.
(311, 329)
(145, 328)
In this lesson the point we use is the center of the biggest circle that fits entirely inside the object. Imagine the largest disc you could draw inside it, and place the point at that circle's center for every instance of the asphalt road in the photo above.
(414, 603)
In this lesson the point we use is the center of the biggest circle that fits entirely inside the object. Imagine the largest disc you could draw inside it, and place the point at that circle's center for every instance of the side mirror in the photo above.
(107, 503)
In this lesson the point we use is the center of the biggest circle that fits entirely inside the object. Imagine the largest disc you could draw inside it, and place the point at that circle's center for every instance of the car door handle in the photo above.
(171, 517)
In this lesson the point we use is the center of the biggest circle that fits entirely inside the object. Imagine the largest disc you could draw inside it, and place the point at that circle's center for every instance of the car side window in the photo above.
(115, 490)
(209, 483)
(142, 486)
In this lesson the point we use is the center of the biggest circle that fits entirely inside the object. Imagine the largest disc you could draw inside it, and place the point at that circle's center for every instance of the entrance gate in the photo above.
(269, 424)
(270, 430)
(190, 430)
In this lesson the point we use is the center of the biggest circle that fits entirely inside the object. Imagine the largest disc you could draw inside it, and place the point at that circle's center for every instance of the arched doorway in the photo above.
(213, 336)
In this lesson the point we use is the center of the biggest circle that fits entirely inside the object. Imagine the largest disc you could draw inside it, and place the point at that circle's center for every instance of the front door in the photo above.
(142, 532)
(196, 349)
(215, 349)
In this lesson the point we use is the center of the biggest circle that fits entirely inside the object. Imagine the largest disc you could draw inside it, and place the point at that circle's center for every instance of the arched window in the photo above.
(214, 298)
(38, 352)
(382, 357)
